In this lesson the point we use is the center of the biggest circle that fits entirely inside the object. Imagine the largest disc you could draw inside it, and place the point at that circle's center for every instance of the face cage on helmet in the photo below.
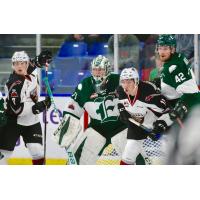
(107, 73)
(100, 83)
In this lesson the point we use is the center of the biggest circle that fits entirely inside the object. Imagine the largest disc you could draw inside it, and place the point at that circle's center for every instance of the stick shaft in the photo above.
(70, 155)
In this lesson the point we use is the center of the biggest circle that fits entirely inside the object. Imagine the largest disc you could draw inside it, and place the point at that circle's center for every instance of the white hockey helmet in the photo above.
(130, 73)
(103, 63)
(20, 56)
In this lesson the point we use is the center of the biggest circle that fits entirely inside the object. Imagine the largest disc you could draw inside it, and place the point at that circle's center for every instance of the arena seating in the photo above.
(70, 49)
(98, 48)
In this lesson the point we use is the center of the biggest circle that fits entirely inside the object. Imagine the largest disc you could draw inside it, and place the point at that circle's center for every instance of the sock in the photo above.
(123, 163)
(38, 161)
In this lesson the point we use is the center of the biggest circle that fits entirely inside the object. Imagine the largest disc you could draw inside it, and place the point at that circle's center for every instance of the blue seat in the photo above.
(83, 74)
(70, 49)
(71, 70)
(98, 48)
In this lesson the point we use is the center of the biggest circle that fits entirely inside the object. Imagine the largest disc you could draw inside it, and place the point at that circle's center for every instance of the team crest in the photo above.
(14, 94)
(172, 68)
(71, 106)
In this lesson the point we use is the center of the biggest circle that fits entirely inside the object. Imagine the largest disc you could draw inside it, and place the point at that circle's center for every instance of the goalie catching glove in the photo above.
(67, 131)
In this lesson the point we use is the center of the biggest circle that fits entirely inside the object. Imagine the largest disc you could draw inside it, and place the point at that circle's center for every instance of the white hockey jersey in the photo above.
(145, 107)
(21, 94)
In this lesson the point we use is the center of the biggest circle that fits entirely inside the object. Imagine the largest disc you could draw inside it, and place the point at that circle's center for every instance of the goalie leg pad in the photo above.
(119, 141)
(93, 144)
(67, 131)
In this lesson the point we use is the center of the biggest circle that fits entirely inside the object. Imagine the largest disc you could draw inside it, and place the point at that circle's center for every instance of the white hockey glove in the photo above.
(67, 131)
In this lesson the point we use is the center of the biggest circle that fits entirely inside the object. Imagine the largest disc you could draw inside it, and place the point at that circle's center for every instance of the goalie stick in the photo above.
(70, 155)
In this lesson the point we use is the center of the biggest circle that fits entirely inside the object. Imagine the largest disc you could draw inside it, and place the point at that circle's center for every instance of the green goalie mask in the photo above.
(101, 69)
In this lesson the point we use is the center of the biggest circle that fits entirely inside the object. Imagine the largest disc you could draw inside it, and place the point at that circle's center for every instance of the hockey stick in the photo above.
(180, 123)
(140, 125)
(46, 81)
(71, 157)
(45, 118)
(148, 130)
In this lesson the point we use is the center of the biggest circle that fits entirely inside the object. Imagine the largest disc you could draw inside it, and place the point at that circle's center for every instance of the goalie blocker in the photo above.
(67, 131)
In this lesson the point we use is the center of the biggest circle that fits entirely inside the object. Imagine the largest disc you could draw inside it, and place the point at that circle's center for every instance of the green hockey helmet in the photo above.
(166, 40)
(104, 70)
(101, 62)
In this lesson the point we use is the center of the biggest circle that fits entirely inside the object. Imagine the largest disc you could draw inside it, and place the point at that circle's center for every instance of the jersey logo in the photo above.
(14, 94)
(80, 86)
(138, 117)
(172, 68)
(71, 106)
(37, 135)
(107, 108)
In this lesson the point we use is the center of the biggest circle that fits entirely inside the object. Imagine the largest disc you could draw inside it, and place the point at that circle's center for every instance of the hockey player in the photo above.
(23, 107)
(139, 102)
(177, 84)
(96, 95)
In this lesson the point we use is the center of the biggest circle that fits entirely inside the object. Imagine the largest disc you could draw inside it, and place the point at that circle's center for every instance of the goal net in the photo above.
(153, 150)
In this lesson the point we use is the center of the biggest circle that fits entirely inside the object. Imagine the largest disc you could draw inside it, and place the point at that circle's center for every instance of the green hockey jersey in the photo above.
(177, 77)
(102, 108)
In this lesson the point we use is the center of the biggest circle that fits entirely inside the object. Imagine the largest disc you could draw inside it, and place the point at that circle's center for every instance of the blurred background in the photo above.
(73, 53)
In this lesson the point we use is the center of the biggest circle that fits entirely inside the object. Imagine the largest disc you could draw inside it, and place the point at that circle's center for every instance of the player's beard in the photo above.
(164, 58)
